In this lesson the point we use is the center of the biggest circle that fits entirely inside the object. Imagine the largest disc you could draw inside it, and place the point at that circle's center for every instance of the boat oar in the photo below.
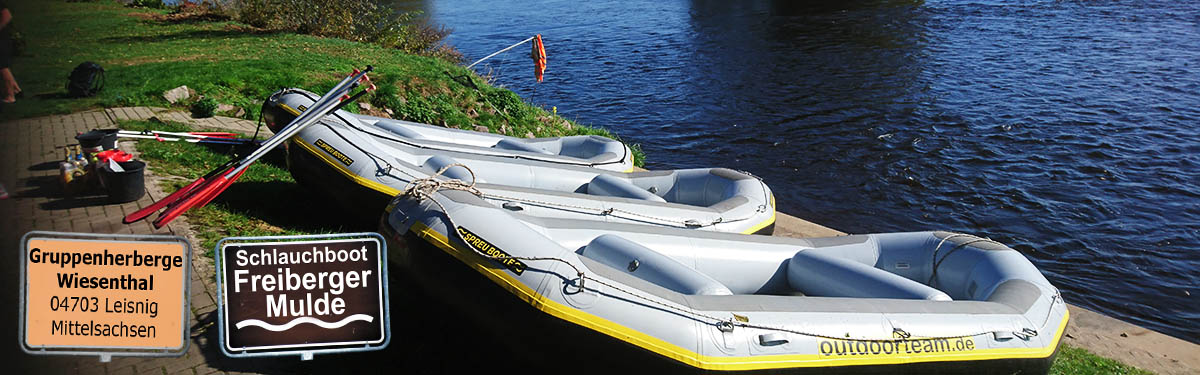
(206, 180)
(206, 190)
(213, 140)
(216, 134)
(156, 133)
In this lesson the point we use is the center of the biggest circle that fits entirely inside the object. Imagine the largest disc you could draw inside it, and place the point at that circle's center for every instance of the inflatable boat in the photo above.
(363, 165)
(611, 297)
(587, 150)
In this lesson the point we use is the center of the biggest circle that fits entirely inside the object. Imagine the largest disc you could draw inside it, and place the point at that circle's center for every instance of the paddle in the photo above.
(206, 188)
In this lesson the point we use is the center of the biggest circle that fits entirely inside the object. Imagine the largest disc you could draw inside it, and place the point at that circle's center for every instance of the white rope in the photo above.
(500, 51)
(424, 188)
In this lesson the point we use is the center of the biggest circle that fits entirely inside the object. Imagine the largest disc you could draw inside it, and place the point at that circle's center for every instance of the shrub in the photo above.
(205, 107)
(158, 4)
(417, 109)
(370, 21)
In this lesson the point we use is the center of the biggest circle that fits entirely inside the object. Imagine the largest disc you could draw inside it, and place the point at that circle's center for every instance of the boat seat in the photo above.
(641, 262)
(817, 274)
(610, 186)
(509, 144)
(437, 162)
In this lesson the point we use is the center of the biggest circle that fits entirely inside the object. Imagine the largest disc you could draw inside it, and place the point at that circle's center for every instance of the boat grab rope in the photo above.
(938, 262)
(612, 211)
(424, 188)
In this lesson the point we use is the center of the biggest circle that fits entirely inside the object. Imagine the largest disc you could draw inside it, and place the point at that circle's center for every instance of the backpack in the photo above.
(86, 80)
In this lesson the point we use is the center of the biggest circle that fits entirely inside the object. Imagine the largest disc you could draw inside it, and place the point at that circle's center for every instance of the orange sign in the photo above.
(86, 293)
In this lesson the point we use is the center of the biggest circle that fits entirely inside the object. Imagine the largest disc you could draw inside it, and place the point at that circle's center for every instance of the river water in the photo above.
(1067, 129)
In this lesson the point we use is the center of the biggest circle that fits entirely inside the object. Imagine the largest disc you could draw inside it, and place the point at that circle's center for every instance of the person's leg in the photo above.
(9, 85)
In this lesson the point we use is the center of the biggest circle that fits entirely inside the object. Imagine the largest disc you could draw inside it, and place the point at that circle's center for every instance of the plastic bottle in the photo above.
(66, 169)
(80, 164)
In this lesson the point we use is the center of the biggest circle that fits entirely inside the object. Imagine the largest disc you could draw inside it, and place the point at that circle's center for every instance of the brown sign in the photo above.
(309, 295)
(82, 293)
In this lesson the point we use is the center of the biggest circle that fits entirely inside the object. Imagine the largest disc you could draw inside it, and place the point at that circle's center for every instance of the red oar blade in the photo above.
(178, 194)
(216, 192)
(213, 186)
(144, 212)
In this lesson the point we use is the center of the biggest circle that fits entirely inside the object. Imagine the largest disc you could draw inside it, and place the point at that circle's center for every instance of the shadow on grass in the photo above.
(186, 35)
(291, 207)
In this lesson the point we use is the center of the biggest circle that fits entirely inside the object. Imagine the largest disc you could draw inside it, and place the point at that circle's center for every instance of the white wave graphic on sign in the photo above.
(306, 319)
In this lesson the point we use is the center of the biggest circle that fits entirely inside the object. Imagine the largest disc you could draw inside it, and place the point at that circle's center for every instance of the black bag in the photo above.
(86, 80)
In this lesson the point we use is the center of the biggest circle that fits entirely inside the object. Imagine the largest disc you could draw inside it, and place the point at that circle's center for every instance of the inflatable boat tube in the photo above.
(658, 299)
(589, 150)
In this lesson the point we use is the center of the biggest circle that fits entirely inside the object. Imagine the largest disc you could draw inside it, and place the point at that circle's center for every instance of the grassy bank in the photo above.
(146, 52)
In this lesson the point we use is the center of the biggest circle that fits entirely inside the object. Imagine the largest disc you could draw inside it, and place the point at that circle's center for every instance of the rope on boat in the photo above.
(938, 262)
(424, 188)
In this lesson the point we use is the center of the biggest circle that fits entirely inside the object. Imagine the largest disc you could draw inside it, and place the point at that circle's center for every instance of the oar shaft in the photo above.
(309, 116)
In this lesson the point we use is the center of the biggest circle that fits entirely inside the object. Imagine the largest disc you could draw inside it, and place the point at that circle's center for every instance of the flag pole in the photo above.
(501, 51)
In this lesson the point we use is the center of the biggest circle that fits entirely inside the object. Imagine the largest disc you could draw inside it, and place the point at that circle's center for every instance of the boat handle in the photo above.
(772, 339)
(512, 206)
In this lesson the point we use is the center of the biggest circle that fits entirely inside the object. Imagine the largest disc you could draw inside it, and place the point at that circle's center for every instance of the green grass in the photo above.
(143, 56)
(1077, 361)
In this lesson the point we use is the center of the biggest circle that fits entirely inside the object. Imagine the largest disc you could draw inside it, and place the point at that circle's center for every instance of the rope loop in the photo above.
(425, 187)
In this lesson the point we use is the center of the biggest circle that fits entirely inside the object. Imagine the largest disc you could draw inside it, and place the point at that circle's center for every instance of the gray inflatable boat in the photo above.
(622, 297)
(363, 164)
(587, 150)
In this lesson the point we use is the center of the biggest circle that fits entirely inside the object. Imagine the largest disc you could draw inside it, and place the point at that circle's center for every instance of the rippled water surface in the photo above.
(1070, 130)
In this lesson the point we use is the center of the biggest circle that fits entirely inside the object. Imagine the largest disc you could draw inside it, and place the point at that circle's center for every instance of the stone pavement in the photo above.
(29, 157)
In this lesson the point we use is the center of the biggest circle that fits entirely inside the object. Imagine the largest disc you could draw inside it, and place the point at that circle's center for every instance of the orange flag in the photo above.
(539, 57)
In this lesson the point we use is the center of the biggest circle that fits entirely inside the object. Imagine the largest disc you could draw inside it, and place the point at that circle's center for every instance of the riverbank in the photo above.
(145, 56)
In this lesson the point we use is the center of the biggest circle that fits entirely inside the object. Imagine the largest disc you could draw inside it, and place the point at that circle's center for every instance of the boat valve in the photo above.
(1025, 334)
(725, 326)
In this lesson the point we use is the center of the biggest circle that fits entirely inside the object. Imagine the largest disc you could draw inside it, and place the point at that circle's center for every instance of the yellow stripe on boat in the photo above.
(504, 279)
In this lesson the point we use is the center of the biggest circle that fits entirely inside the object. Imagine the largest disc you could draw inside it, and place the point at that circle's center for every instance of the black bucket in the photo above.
(102, 138)
(126, 186)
